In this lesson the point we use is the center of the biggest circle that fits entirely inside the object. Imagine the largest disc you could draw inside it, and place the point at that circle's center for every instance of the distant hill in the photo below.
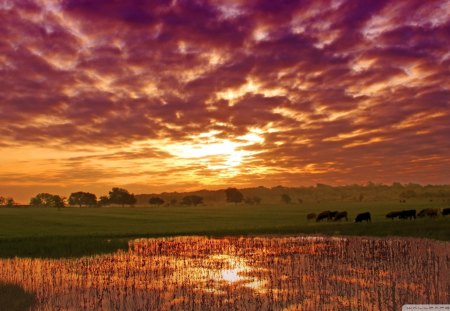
(319, 193)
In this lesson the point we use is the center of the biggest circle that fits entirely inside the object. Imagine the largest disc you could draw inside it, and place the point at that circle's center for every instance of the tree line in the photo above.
(320, 193)
(117, 196)
(249, 196)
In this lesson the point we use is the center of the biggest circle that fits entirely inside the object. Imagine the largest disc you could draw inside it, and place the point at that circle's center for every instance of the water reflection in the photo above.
(276, 273)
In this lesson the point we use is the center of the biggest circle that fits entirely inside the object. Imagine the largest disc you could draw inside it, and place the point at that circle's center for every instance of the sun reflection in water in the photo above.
(231, 276)
(217, 272)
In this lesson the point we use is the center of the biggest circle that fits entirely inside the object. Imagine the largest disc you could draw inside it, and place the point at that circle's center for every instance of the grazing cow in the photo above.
(323, 215)
(393, 215)
(332, 215)
(311, 216)
(341, 215)
(363, 217)
(430, 212)
(446, 211)
(408, 214)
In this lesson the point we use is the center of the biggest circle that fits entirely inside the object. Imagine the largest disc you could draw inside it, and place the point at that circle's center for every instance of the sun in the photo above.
(213, 156)
(217, 155)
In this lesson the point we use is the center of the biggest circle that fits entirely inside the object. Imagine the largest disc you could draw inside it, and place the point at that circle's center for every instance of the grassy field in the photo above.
(73, 232)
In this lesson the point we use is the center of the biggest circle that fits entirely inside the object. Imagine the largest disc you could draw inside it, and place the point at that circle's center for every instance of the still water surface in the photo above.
(250, 273)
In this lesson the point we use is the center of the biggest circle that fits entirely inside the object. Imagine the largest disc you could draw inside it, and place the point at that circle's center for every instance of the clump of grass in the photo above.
(15, 298)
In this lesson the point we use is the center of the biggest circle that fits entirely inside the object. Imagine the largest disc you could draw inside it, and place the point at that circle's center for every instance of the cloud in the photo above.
(331, 86)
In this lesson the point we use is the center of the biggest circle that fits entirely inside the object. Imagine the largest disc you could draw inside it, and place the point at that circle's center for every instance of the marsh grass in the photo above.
(241, 273)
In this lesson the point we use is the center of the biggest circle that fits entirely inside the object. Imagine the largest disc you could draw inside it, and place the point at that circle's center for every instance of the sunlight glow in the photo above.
(214, 153)
(189, 151)
(252, 138)
(251, 86)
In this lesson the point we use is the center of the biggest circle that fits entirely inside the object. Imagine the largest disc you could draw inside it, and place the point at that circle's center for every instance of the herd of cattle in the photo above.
(404, 214)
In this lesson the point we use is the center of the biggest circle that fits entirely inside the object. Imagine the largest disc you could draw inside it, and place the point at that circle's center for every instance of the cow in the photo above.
(341, 215)
(393, 215)
(446, 211)
(311, 216)
(323, 215)
(408, 214)
(430, 212)
(363, 217)
(332, 215)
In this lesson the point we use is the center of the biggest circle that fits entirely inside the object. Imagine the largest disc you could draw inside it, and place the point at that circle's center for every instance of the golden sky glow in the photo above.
(182, 95)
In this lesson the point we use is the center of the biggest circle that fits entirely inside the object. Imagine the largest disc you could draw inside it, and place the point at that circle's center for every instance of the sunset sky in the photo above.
(183, 95)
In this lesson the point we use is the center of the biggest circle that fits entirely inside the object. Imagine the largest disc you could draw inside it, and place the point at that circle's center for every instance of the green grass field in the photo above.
(73, 232)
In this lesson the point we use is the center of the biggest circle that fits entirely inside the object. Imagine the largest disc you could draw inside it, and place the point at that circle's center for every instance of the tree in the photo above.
(7, 201)
(58, 201)
(10, 202)
(121, 196)
(156, 201)
(234, 195)
(103, 200)
(82, 198)
(47, 200)
(285, 198)
(192, 200)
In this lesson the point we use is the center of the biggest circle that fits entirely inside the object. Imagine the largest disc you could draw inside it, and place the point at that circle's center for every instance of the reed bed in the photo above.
(249, 273)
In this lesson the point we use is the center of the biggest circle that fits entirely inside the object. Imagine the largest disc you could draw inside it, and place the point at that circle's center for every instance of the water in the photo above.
(251, 273)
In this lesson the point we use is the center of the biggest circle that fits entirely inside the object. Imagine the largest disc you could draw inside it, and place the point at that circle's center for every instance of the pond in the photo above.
(247, 273)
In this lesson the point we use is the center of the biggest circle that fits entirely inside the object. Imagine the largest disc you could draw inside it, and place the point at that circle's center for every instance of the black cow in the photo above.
(341, 215)
(446, 211)
(332, 215)
(323, 215)
(430, 212)
(408, 214)
(393, 215)
(363, 217)
(311, 216)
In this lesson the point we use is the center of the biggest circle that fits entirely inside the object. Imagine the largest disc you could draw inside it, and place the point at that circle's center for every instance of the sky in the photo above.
(182, 95)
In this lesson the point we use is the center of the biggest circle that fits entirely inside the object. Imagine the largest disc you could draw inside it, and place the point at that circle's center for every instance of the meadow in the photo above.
(75, 232)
